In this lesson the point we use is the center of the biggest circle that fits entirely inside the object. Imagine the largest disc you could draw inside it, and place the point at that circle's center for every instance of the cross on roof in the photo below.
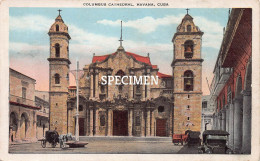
(59, 11)
(187, 10)
(121, 35)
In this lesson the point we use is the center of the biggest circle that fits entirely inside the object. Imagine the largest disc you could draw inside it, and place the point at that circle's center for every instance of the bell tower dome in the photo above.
(58, 74)
(187, 71)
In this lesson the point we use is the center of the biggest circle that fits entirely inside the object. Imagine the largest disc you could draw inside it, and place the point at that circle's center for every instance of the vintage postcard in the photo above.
(126, 77)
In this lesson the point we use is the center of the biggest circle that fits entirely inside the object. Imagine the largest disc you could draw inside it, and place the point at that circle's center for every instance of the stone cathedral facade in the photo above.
(127, 110)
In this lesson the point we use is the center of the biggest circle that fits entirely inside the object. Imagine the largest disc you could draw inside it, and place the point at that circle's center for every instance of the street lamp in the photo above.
(76, 75)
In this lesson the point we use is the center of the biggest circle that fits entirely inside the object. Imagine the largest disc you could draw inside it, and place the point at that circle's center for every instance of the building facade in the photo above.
(231, 85)
(22, 109)
(141, 109)
(28, 114)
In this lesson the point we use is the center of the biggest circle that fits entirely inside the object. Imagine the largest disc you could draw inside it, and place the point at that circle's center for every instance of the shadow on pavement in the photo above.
(188, 150)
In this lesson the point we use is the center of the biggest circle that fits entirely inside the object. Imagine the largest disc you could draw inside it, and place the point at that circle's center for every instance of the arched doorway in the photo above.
(13, 123)
(24, 125)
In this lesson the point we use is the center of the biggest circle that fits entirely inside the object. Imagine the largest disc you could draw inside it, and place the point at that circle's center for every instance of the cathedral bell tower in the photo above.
(58, 74)
(187, 71)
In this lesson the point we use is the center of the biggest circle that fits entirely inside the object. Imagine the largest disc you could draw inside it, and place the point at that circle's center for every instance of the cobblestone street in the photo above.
(115, 145)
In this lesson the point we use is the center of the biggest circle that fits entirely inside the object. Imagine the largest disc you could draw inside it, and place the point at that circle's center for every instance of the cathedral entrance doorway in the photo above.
(120, 123)
(161, 127)
(81, 126)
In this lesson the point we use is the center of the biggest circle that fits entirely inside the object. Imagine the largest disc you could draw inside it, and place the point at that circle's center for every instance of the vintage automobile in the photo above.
(214, 142)
(193, 138)
(51, 137)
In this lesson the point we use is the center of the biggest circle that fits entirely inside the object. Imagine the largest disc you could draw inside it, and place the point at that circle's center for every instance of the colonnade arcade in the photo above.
(235, 117)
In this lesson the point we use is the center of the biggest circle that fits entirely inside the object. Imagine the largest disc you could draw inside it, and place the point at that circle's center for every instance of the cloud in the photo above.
(27, 50)
(30, 22)
(212, 29)
(213, 32)
(145, 25)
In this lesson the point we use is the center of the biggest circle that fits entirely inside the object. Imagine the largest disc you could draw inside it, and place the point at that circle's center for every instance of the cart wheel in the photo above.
(43, 143)
(53, 145)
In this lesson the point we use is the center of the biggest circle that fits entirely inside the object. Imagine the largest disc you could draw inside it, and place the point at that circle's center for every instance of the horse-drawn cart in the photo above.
(51, 137)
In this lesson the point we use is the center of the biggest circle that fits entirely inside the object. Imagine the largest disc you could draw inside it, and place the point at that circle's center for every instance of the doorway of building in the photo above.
(160, 127)
(120, 123)
(81, 126)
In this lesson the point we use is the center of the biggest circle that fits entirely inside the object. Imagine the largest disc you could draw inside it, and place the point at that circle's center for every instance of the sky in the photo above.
(97, 30)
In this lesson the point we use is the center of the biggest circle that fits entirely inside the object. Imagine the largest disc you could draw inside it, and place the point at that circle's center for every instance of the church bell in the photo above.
(188, 50)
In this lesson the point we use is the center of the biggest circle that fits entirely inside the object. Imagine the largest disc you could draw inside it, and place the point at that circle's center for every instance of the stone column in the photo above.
(149, 88)
(148, 123)
(231, 125)
(87, 122)
(18, 136)
(223, 120)
(130, 91)
(219, 120)
(213, 123)
(91, 85)
(227, 119)
(238, 122)
(143, 91)
(91, 122)
(143, 124)
(246, 145)
(96, 123)
(97, 86)
(152, 123)
(130, 122)
(110, 113)
(35, 127)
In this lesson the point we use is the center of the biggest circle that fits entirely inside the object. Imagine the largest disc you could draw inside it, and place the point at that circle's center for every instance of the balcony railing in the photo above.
(16, 100)
(72, 92)
(220, 79)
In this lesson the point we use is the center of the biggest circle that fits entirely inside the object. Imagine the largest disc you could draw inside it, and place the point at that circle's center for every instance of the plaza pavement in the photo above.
(109, 145)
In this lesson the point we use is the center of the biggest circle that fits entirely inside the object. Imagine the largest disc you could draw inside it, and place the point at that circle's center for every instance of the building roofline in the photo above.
(10, 69)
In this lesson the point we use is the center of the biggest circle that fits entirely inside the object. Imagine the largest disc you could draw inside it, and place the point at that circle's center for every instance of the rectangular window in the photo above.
(23, 94)
(204, 104)
(80, 108)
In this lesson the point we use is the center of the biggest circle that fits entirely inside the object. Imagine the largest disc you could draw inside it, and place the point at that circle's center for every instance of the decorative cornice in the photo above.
(246, 93)
(186, 33)
(186, 60)
(58, 92)
(187, 92)
(59, 59)
(59, 33)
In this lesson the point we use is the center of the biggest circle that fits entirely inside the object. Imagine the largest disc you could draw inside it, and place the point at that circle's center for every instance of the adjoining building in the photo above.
(24, 109)
(231, 85)
(207, 112)
(171, 106)
(42, 101)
